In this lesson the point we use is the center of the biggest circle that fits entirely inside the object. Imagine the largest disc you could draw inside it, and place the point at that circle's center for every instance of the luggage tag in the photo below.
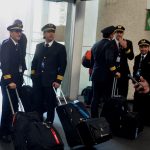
(20, 69)
(138, 74)
(42, 65)
(118, 59)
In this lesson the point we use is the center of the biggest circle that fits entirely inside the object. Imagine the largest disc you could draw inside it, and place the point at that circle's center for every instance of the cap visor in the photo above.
(119, 30)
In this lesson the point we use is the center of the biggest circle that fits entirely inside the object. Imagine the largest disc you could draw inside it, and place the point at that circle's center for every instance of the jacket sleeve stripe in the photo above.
(112, 68)
(32, 71)
(59, 77)
(128, 51)
(8, 76)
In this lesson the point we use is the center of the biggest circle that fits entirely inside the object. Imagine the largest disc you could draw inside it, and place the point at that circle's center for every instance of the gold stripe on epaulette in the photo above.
(113, 68)
(128, 51)
(32, 71)
(59, 77)
(8, 76)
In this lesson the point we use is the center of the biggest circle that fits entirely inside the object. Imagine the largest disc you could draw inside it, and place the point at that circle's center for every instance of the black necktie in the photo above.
(142, 58)
(17, 47)
(138, 74)
(46, 45)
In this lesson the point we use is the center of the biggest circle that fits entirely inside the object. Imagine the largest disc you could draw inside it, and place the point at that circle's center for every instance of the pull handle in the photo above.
(10, 101)
(60, 103)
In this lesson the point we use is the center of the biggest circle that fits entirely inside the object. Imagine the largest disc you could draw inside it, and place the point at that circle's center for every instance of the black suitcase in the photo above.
(131, 125)
(122, 122)
(43, 137)
(94, 131)
(31, 134)
(70, 114)
(114, 109)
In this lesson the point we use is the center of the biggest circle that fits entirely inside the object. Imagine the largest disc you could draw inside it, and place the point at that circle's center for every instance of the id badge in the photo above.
(42, 65)
(20, 69)
(118, 59)
(138, 74)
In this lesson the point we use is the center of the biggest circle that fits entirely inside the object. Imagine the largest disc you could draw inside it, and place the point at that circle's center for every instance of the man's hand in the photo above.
(118, 75)
(12, 85)
(56, 85)
(123, 43)
(144, 88)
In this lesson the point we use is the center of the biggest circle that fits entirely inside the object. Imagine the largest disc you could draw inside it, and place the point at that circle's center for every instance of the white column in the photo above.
(73, 42)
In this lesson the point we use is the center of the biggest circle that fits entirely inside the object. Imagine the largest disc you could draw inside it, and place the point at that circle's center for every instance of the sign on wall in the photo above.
(147, 26)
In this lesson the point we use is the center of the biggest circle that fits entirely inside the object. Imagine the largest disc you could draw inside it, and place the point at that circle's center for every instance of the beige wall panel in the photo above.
(129, 13)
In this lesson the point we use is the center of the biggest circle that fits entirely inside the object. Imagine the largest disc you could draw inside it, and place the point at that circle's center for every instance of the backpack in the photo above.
(86, 59)
(87, 93)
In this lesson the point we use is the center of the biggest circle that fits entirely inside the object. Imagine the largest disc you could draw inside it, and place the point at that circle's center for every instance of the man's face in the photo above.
(119, 34)
(144, 49)
(112, 36)
(15, 35)
(49, 35)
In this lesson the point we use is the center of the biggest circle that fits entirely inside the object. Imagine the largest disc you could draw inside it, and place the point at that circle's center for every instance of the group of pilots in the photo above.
(47, 71)
(109, 59)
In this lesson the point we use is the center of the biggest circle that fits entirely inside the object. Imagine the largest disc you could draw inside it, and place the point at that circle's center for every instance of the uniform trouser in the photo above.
(123, 84)
(101, 93)
(45, 101)
(142, 105)
(6, 119)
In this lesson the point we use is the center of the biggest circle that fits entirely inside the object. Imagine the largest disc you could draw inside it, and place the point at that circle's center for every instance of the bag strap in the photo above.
(55, 135)
(84, 114)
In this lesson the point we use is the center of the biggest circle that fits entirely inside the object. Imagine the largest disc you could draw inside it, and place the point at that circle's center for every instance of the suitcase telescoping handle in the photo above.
(114, 88)
(10, 101)
(60, 103)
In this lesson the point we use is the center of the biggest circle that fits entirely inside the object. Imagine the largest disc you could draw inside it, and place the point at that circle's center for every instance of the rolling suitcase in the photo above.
(131, 125)
(114, 109)
(41, 136)
(94, 131)
(29, 133)
(70, 114)
(122, 122)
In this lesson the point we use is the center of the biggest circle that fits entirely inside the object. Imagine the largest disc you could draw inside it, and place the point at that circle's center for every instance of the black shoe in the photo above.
(6, 138)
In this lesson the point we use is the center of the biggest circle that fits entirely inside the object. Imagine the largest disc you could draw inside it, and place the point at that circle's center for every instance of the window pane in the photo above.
(57, 13)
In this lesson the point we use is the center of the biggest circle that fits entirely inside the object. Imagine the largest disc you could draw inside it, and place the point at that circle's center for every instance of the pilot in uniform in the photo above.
(47, 71)
(124, 50)
(104, 70)
(142, 68)
(13, 66)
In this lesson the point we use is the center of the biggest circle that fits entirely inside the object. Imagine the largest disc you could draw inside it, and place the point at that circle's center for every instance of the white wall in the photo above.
(89, 38)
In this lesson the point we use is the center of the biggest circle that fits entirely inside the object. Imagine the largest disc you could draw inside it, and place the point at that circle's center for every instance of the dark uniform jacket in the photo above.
(12, 58)
(125, 54)
(49, 64)
(145, 66)
(23, 45)
(102, 61)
